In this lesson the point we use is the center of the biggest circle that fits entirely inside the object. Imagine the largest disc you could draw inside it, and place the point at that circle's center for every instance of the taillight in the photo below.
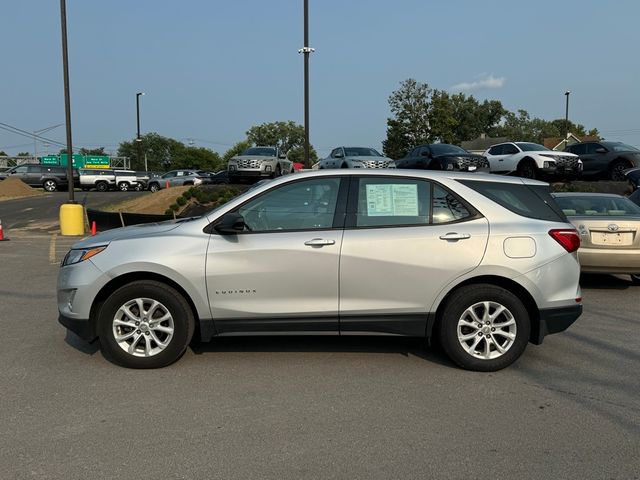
(568, 238)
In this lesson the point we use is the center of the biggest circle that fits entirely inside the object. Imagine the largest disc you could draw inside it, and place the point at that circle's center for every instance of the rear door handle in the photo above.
(454, 236)
(319, 242)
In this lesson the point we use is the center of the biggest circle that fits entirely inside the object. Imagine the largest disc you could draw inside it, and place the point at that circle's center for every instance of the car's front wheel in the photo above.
(123, 186)
(527, 169)
(145, 324)
(154, 187)
(50, 185)
(102, 186)
(484, 327)
(616, 171)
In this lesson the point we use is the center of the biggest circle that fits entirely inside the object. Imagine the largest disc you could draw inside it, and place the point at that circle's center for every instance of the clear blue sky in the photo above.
(212, 69)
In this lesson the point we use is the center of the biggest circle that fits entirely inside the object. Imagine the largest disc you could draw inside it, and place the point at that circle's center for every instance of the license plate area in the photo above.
(620, 239)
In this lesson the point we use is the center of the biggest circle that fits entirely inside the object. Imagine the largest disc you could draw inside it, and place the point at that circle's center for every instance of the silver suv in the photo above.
(481, 263)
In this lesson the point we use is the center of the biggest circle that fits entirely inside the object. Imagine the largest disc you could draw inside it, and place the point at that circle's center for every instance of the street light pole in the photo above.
(306, 50)
(566, 119)
(138, 139)
(67, 98)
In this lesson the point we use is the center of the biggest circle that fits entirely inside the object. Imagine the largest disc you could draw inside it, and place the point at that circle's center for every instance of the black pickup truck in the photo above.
(49, 177)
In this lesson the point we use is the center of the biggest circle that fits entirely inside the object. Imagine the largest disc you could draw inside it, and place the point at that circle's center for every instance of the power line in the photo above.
(24, 133)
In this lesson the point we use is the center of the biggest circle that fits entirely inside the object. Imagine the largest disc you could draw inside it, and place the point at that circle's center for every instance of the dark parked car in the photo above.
(220, 177)
(606, 160)
(633, 175)
(442, 156)
(49, 177)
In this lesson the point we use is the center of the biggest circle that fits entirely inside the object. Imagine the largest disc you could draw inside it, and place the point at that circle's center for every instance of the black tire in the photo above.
(123, 186)
(527, 169)
(616, 171)
(278, 171)
(293, 170)
(154, 187)
(50, 185)
(102, 186)
(458, 303)
(139, 187)
(344, 165)
(177, 306)
(635, 278)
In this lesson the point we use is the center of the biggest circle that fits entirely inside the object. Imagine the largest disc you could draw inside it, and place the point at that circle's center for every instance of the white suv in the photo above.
(531, 160)
(484, 264)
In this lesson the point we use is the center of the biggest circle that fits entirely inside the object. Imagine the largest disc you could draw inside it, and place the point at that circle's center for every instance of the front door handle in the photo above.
(319, 242)
(452, 236)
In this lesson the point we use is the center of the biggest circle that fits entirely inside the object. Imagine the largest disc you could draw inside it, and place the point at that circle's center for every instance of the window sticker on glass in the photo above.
(392, 200)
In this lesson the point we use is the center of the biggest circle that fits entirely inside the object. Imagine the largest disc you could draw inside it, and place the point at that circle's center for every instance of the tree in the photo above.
(409, 124)
(91, 151)
(3, 154)
(284, 135)
(296, 155)
(165, 153)
(237, 149)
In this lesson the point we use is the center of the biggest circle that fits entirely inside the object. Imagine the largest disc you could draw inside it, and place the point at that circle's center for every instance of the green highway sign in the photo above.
(97, 161)
(77, 161)
(50, 160)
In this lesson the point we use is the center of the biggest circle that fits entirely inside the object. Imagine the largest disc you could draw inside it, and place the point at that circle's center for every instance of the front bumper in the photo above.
(82, 327)
(555, 320)
(250, 173)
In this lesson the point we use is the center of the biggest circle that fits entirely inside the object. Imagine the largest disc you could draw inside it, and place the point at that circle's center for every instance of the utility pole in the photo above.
(138, 139)
(566, 119)
(306, 50)
(67, 98)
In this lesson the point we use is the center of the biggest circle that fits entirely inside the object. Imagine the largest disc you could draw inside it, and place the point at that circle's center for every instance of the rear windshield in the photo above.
(597, 205)
(531, 201)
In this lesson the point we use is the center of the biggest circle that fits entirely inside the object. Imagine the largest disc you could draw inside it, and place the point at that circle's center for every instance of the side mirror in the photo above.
(230, 224)
(601, 150)
(338, 155)
(425, 154)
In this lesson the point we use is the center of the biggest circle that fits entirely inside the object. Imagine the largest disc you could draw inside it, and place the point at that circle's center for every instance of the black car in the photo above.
(442, 156)
(49, 177)
(221, 177)
(605, 160)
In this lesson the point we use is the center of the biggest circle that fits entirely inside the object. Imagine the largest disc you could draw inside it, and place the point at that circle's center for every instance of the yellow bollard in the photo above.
(71, 219)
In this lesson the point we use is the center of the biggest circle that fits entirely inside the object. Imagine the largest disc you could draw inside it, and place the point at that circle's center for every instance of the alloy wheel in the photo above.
(486, 330)
(143, 327)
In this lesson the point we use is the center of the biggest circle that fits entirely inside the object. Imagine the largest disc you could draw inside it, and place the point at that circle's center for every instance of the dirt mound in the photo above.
(156, 202)
(13, 187)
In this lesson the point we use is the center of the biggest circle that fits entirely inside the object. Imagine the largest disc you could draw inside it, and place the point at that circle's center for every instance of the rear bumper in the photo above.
(555, 320)
(608, 260)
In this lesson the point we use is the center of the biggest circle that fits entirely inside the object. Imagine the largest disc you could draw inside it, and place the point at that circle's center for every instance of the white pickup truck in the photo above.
(259, 162)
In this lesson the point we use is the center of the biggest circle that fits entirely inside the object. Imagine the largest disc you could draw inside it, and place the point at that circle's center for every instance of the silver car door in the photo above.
(282, 271)
(404, 240)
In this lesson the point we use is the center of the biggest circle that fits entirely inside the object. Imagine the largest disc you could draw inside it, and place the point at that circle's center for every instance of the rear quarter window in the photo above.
(531, 201)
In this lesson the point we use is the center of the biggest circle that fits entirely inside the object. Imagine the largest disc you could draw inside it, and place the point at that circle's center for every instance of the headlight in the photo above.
(80, 255)
(450, 166)
(549, 165)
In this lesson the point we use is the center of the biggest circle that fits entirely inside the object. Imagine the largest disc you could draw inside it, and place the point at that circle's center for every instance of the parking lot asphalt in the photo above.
(295, 407)
(40, 214)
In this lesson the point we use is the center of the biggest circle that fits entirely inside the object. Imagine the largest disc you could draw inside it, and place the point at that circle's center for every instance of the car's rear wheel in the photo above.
(616, 171)
(527, 169)
(484, 327)
(154, 187)
(139, 187)
(102, 186)
(145, 324)
(50, 185)
(123, 186)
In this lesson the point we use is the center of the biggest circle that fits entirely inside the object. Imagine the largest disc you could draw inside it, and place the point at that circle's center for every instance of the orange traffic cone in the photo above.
(166, 185)
(2, 239)
(94, 228)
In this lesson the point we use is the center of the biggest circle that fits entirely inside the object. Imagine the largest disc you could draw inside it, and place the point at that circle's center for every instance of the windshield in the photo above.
(446, 149)
(620, 147)
(531, 147)
(361, 152)
(260, 151)
(597, 205)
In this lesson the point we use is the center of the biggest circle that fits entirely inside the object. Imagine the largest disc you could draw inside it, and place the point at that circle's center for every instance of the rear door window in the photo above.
(531, 201)
(496, 150)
